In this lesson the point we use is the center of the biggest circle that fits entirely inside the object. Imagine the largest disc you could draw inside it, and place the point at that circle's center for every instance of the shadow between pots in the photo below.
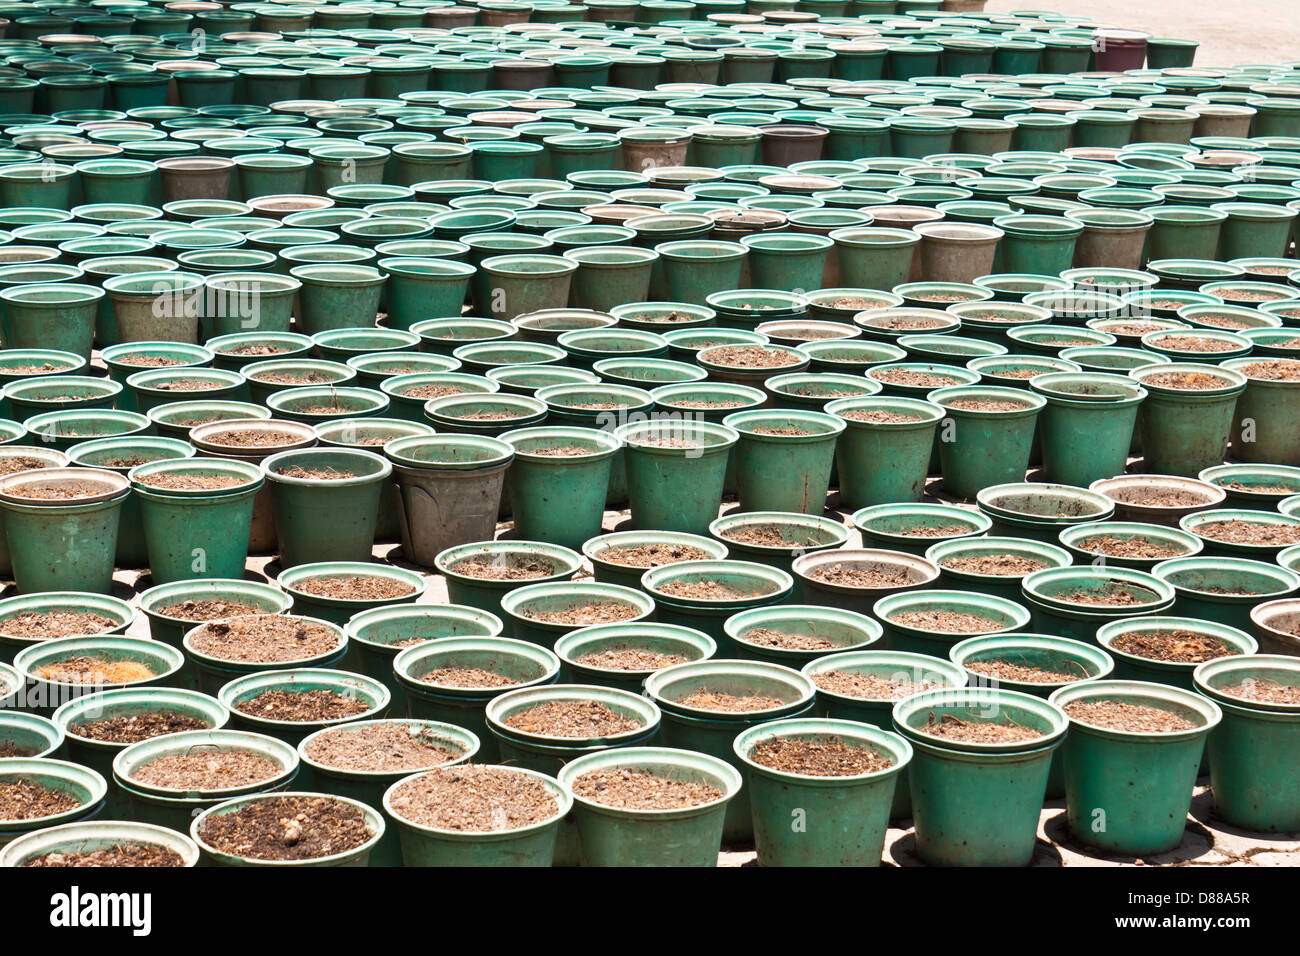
(1197, 842)
(902, 852)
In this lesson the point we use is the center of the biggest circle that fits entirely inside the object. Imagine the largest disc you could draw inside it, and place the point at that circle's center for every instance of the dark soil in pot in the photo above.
(1180, 647)
(293, 827)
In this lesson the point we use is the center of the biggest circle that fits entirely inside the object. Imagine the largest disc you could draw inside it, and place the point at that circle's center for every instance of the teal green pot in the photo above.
(116, 612)
(196, 532)
(271, 174)
(1139, 782)
(82, 784)
(993, 565)
(45, 693)
(268, 377)
(153, 387)
(990, 438)
(810, 633)
(40, 186)
(1254, 229)
(545, 562)
(245, 302)
(558, 482)
(62, 430)
(510, 285)
(1273, 532)
(976, 804)
(1130, 664)
(409, 393)
(618, 836)
(525, 609)
(832, 577)
(675, 472)
(1252, 782)
(613, 568)
(611, 276)
(1225, 590)
(357, 856)
(419, 289)
(1259, 430)
(792, 262)
(58, 316)
(713, 732)
(986, 615)
(1036, 244)
(1086, 427)
(321, 517)
(34, 396)
(337, 296)
(1185, 430)
(213, 672)
(776, 538)
(784, 458)
(170, 628)
(883, 454)
(589, 655)
(63, 544)
(915, 527)
(314, 405)
(1184, 232)
(1074, 602)
(693, 269)
(1148, 543)
(873, 257)
(532, 845)
(237, 694)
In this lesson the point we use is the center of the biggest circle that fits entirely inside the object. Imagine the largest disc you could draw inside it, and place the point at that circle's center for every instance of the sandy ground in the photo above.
(1270, 33)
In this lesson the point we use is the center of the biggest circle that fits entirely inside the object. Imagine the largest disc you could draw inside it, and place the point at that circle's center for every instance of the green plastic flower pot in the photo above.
(368, 785)
(694, 269)
(326, 502)
(776, 538)
(921, 634)
(526, 609)
(792, 262)
(171, 628)
(993, 565)
(1186, 429)
(1138, 782)
(531, 845)
(118, 613)
(237, 694)
(675, 472)
(806, 633)
(160, 386)
(610, 276)
(784, 458)
(524, 664)
(615, 568)
(153, 306)
(80, 783)
(1224, 590)
(424, 288)
(856, 578)
(60, 316)
(883, 454)
(992, 429)
(1074, 602)
(977, 804)
(1130, 665)
(1184, 232)
(337, 296)
(626, 836)
(1086, 427)
(558, 482)
(1259, 431)
(340, 609)
(1273, 531)
(1147, 544)
(37, 395)
(357, 856)
(915, 527)
(589, 655)
(1254, 229)
(213, 672)
(510, 285)
(874, 257)
(249, 302)
(63, 544)
(541, 562)
(1263, 487)
(1251, 780)
(1036, 244)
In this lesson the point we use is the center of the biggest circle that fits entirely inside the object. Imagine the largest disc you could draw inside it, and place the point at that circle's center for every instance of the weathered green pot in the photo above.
(996, 615)
(776, 538)
(337, 296)
(89, 836)
(815, 632)
(827, 576)
(609, 571)
(1138, 783)
(1133, 666)
(212, 672)
(237, 694)
(118, 612)
(357, 856)
(320, 517)
(81, 783)
(1003, 582)
(675, 472)
(127, 358)
(63, 544)
(559, 496)
(978, 804)
(915, 527)
(1187, 430)
(420, 289)
(547, 562)
(883, 454)
(694, 269)
(510, 285)
(34, 396)
(57, 316)
(160, 386)
(990, 437)
(784, 458)
(1260, 422)
(1225, 590)
(1041, 510)
(745, 585)
(1252, 781)
(153, 306)
(713, 732)
(532, 845)
(249, 302)
(847, 815)
(580, 651)
(171, 629)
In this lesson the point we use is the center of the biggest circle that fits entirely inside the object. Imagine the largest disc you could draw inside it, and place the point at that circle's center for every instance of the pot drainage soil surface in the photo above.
(474, 798)
(1248, 532)
(869, 686)
(119, 854)
(1109, 595)
(293, 378)
(879, 416)
(1022, 673)
(948, 727)
(582, 615)
(132, 728)
(1179, 647)
(189, 385)
(1281, 371)
(320, 474)
(24, 800)
(572, 718)
(264, 639)
(10, 749)
(1138, 329)
(662, 441)
(357, 588)
(46, 625)
(94, 670)
(1135, 547)
(719, 403)
(1191, 381)
(708, 591)
(254, 349)
(561, 451)
(634, 790)
(748, 356)
(652, 555)
(184, 482)
(1235, 485)
(253, 438)
(468, 677)
(1157, 497)
(767, 536)
(901, 376)
(1193, 343)
(767, 637)
(509, 569)
(630, 659)
(380, 747)
(9, 466)
(1132, 718)
(206, 610)
(948, 622)
(855, 302)
(148, 361)
(876, 576)
(302, 705)
(222, 770)
(1003, 565)
(987, 405)
(1264, 691)
(786, 430)
(828, 757)
(288, 828)
(901, 323)
(64, 492)
(705, 699)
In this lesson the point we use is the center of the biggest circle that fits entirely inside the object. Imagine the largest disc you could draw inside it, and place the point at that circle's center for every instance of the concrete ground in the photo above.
(1259, 31)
